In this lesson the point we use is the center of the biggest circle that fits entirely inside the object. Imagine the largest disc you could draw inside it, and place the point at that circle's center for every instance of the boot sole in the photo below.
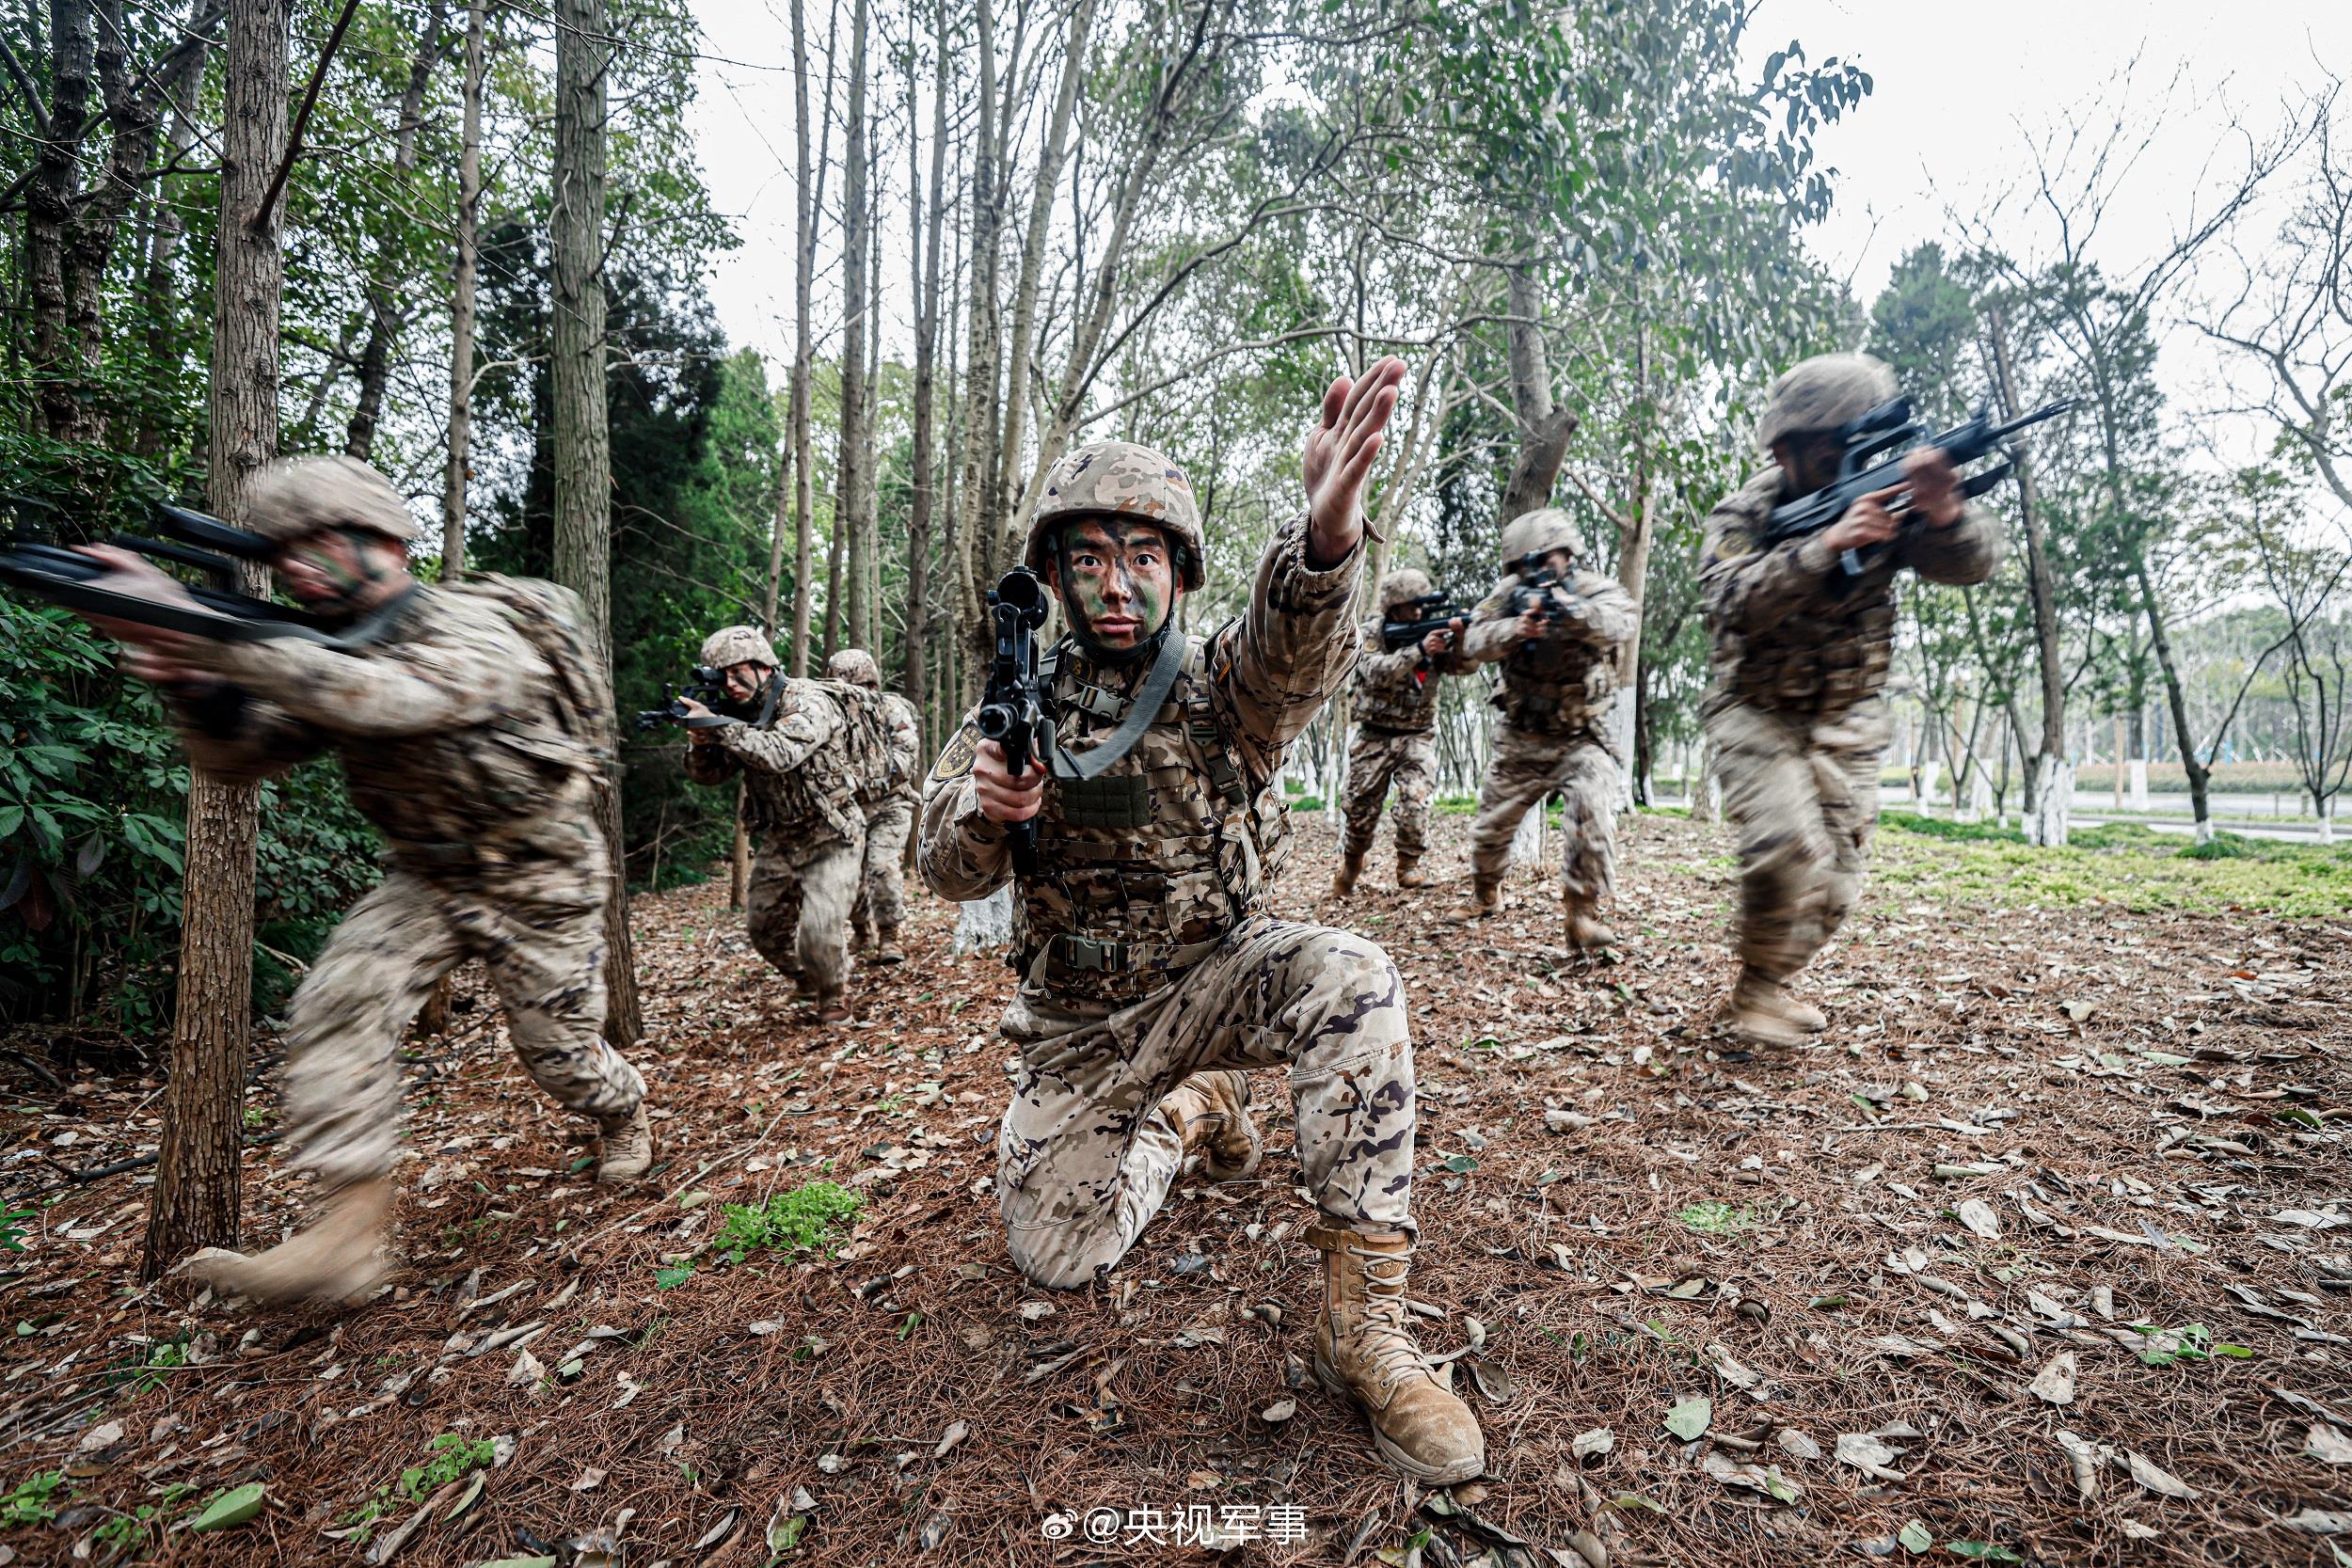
(1395, 1458)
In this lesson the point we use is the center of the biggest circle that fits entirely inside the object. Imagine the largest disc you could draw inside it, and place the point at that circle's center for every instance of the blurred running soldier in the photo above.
(1395, 744)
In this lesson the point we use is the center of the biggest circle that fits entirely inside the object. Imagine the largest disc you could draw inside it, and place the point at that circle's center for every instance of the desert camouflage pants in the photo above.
(1526, 768)
(881, 894)
(1801, 794)
(540, 933)
(1376, 764)
(797, 910)
(1085, 1157)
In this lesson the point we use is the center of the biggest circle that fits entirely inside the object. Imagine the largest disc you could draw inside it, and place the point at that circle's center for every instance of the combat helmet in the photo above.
(1822, 393)
(296, 496)
(732, 645)
(855, 666)
(1120, 477)
(1402, 587)
(1540, 532)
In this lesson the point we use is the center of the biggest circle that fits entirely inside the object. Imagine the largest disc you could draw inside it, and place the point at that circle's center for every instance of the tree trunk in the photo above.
(846, 622)
(385, 315)
(974, 564)
(804, 237)
(2053, 786)
(161, 303)
(582, 444)
(2174, 697)
(462, 309)
(928, 215)
(1543, 431)
(199, 1179)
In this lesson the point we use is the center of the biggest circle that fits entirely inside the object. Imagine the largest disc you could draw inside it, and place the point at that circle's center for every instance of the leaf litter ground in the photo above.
(2043, 1252)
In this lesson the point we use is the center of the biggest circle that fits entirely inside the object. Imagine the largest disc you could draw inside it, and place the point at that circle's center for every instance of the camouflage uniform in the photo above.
(881, 899)
(443, 714)
(1554, 699)
(1801, 656)
(802, 805)
(1395, 746)
(1146, 953)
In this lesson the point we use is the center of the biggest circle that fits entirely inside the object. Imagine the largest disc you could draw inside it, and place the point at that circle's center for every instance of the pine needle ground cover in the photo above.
(2041, 1257)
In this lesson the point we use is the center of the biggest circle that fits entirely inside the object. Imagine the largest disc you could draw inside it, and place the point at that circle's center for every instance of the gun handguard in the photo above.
(1434, 612)
(708, 687)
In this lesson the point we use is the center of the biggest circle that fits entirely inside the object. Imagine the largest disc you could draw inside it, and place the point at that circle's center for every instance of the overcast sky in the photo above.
(1961, 92)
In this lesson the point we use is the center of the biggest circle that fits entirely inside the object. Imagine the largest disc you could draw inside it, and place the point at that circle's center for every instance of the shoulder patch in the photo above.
(1731, 544)
(956, 757)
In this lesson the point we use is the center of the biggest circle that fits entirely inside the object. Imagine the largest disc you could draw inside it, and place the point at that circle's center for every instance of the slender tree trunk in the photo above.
(1543, 431)
(927, 216)
(2052, 786)
(2175, 698)
(804, 266)
(462, 308)
(385, 315)
(161, 303)
(975, 564)
(849, 545)
(199, 1174)
(583, 445)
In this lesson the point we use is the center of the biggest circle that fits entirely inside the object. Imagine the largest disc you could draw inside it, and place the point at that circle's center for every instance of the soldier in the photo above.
(881, 900)
(811, 753)
(1152, 977)
(474, 724)
(1395, 741)
(1802, 649)
(1559, 656)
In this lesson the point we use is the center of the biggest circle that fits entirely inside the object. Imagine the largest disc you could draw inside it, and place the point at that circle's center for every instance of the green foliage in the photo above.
(2122, 864)
(453, 1458)
(1716, 1218)
(29, 1502)
(2163, 1347)
(12, 1228)
(800, 1220)
(1949, 830)
(672, 1277)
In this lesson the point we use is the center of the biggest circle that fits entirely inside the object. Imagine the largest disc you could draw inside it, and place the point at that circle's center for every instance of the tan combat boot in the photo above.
(1212, 1112)
(628, 1151)
(886, 948)
(1351, 867)
(1482, 899)
(334, 1260)
(1409, 871)
(1759, 1011)
(1585, 930)
(1364, 1350)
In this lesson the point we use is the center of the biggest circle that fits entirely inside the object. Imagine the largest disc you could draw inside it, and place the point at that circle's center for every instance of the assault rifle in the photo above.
(1534, 591)
(1876, 445)
(38, 566)
(708, 687)
(1013, 706)
(1431, 612)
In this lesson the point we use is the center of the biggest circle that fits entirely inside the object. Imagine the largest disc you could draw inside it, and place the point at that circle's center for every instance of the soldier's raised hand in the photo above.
(1004, 798)
(1338, 457)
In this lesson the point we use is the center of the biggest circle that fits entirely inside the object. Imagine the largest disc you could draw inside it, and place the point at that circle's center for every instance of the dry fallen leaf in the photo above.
(1978, 1215)
(1584, 1444)
(2327, 1444)
(2153, 1477)
(1868, 1455)
(2055, 1381)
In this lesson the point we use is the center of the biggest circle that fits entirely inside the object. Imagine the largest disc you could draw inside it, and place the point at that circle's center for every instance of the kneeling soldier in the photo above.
(474, 723)
(1152, 977)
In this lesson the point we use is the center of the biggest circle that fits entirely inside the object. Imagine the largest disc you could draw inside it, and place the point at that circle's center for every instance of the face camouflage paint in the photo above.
(1118, 581)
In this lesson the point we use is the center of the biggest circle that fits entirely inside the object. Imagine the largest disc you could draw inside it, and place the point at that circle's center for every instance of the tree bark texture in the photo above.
(2052, 788)
(199, 1177)
(385, 316)
(805, 236)
(465, 275)
(582, 444)
(847, 622)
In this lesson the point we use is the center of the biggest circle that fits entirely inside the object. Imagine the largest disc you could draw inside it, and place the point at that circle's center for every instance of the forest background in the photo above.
(954, 241)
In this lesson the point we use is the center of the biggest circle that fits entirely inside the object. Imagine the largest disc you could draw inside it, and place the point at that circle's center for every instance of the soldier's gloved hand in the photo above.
(1531, 626)
(1935, 486)
(1443, 637)
(695, 710)
(1004, 798)
(1866, 522)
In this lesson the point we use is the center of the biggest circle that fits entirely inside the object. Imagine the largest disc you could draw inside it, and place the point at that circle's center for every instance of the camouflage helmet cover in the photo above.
(1120, 478)
(732, 645)
(855, 666)
(1402, 586)
(1540, 532)
(1822, 393)
(296, 496)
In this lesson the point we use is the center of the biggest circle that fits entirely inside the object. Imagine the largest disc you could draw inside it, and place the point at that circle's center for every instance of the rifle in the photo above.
(707, 685)
(63, 577)
(1888, 435)
(1534, 591)
(1012, 708)
(1431, 612)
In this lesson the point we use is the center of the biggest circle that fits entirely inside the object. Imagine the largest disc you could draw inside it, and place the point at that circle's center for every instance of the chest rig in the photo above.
(1558, 685)
(1388, 703)
(1146, 863)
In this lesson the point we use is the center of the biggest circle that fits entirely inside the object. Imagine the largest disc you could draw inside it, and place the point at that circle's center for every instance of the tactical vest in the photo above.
(1558, 686)
(1143, 870)
(1831, 654)
(1405, 707)
(826, 793)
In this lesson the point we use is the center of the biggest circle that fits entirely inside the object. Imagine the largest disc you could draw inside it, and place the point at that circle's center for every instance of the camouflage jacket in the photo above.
(1395, 693)
(444, 715)
(1792, 632)
(903, 732)
(800, 778)
(1144, 869)
(1563, 683)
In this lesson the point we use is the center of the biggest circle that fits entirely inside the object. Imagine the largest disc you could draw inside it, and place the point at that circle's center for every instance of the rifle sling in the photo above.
(1141, 711)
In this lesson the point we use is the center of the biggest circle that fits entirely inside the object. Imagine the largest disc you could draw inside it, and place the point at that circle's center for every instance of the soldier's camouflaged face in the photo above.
(1122, 578)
